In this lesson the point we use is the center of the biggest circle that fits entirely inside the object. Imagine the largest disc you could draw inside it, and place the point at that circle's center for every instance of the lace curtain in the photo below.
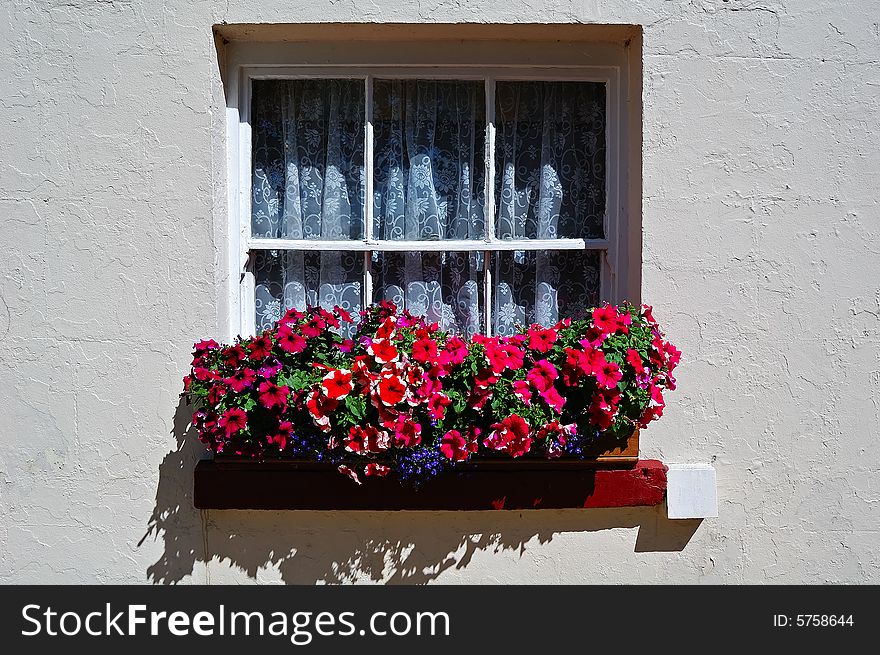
(549, 184)
(428, 172)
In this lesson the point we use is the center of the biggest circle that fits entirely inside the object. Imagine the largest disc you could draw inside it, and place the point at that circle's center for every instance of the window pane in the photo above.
(429, 159)
(550, 160)
(444, 287)
(543, 287)
(286, 279)
(308, 159)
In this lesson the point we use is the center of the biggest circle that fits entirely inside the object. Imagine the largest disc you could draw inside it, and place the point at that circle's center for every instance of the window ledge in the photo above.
(516, 485)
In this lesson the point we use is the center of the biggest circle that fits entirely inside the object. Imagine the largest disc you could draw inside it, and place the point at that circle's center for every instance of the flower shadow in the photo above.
(338, 547)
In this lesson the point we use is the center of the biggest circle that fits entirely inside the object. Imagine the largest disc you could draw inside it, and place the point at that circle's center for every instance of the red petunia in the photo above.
(454, 446)
(407, 433)
(379, 470)
(603, 408)
(320, 407)
(347, 470)
(343, 314)
(271, 395)
(383, 351)
(233, 356)
(391, 390)
(424, 350)
(260, 347)
(280, 438)
(241, 379)
(233, 420)
(204, 346)
(541, 339)
(368, 439)
(289, 341)
(313, 327)
(605, 318)
(337, 384)
(634, 360)
(205, 374)
(386, 329)
(553, 398)
(437, 405)
(454, 352)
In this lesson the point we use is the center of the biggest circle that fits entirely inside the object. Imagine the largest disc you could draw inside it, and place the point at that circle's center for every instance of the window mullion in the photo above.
(369, 228)
(489, 204)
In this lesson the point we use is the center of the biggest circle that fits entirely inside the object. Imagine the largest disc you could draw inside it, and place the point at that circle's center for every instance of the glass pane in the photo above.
(308, 159)
(543, 287)
(550, 160)
(286, 279)
(429, 159)
(444, 287)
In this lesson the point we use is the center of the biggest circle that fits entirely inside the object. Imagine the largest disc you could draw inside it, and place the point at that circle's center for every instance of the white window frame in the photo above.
(605, 63)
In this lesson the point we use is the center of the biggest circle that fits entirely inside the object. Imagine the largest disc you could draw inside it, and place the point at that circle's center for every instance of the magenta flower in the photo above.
(233, 421)
(289, 341)
(543, 375)
(242, 379)
(271, 395)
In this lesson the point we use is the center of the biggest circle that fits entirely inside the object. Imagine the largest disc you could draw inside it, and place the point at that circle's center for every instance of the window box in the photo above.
(226, 483)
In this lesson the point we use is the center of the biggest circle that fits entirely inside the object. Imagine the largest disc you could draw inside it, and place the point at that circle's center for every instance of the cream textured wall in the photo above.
(761, 256)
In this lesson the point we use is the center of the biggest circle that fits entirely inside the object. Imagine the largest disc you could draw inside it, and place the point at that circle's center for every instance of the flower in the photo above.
(337, 384)
(347, 470)
(313, 327)
(233, 356)
(553, 398)
(241, 379)
(368, 439)
(437, 405)
(407, 433)
(541, 339)
(320, 407)
(260, 347)
(343, 314)
(542, 375)
(454, 352)
(424, 350)
(511, 436)
(383, 351)
(233, 420)
(390, 390)
(204, 346)
(603, 408)
(284, 433)
(523, 390)
(455, 447)
(379, 470)
(608, 375)
(634, 359)
(271, 395)
(289, 341)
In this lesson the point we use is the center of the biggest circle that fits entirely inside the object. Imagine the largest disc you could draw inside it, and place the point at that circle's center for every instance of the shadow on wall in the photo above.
(394, 547)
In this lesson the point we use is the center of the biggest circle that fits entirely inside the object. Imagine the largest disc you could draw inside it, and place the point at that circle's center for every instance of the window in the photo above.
(482, 197)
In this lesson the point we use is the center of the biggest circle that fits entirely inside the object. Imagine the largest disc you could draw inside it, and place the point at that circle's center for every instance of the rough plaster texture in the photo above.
(761, 162)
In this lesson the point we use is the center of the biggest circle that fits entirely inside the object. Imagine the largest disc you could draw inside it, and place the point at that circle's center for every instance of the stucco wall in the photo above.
(760, 254)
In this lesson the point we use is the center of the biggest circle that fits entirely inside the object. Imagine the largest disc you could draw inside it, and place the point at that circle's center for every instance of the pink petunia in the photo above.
(232, 421)
(241, 379)
(271, 395)
(407, 433)
(553, 398)
(289, 341)
(523, 390)
(608, 375)
(282, 435)
(437, 405)
(543, 375)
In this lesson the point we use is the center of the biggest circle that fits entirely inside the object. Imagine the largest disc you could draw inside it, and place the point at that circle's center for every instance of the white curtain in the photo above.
(308, 183)
(550, 183)
(429, 185)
